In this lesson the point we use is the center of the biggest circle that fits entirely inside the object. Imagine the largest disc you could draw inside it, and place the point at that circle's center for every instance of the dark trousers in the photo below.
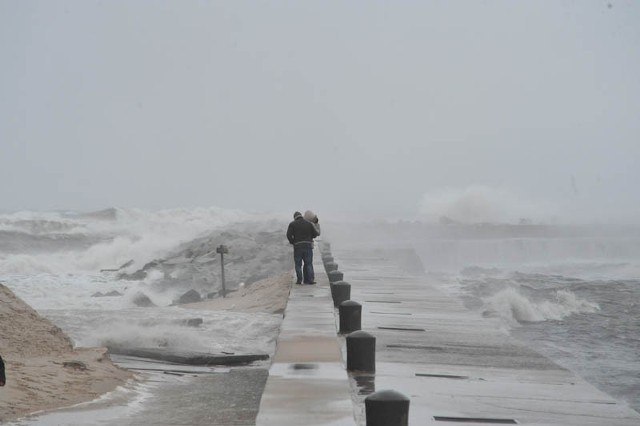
(304, 255)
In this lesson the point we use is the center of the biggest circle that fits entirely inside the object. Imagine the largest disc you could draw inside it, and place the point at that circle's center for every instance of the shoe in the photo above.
(312, 282)
(298, 282)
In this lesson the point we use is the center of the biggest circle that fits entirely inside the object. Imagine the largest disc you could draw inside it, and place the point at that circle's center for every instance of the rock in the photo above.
(142, 300)
(97, 294)
(191, 296)
(254, 253)
(76, 365)
(138, 275)
(123, 266)
(152, 264)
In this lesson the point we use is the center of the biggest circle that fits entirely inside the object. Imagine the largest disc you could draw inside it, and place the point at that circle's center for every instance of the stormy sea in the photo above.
(570, 292)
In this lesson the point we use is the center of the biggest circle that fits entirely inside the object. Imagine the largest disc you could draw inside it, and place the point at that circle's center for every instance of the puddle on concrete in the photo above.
(304, 366)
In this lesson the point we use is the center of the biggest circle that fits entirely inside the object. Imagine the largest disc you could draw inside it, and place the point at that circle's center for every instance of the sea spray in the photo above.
(63, 243)
(478, 204)
(220, 331)
(512, 305)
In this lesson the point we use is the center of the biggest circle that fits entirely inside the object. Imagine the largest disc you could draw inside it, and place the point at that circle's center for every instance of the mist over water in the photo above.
(479, 204)
(490, 204)
(569, 291)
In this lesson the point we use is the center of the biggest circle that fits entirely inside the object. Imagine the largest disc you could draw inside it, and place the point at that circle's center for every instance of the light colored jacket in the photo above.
(312, 218)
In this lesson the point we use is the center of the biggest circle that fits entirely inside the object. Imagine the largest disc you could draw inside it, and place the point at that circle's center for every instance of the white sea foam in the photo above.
(134, 234)
(122, 402)
(165, 327)
(514, 306)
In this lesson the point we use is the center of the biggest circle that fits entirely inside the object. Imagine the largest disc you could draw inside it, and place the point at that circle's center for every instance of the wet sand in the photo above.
(43, 369)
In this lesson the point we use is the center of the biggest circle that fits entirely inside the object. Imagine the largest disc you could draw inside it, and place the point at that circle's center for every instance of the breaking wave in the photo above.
(478, 204)
(514, 306)
(61, 243)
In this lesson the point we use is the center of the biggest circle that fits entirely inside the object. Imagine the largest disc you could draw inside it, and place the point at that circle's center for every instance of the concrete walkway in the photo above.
(453, 365)
(308, 383)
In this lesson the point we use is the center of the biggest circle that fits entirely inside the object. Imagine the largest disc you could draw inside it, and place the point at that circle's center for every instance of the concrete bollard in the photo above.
(337, 282)
(350, 316)
(332, 283)
(326, 246)
(387, 408)
(327, 259)
(361, 351)
(340, 291)
(330, 266)
(335, 276)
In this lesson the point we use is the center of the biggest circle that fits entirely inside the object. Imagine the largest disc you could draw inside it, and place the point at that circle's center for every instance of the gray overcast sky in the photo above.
(332, 105)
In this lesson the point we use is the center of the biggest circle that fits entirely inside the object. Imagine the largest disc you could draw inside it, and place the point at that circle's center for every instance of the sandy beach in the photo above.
(44, 371)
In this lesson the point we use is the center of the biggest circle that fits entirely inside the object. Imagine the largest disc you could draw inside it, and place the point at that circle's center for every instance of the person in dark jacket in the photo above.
(301, 233)
(3, 379)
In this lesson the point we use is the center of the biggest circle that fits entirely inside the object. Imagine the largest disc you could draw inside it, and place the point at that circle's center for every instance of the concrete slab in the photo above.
(307, 383)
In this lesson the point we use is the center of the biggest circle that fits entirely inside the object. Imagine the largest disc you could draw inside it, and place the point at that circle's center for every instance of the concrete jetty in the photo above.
(307, 383)
(456, 367)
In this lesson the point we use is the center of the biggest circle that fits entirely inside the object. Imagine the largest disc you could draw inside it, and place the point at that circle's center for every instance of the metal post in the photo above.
(335, 276)
(330, 266)
(361, 351)
(224, 288)
(387, 408)
(222, 250)
(340, 291)
(350, 316)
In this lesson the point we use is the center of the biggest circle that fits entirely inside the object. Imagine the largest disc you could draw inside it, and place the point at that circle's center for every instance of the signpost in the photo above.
(222, 250)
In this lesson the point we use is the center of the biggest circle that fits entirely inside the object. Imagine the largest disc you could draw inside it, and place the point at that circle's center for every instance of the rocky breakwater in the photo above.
(193, 272)
(257, 275)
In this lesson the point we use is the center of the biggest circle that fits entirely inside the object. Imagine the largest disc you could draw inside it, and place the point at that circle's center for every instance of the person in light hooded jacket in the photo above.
(310, 216)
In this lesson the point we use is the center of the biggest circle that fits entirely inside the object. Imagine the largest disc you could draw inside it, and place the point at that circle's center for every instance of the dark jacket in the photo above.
(2, 377)
(301, 232)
